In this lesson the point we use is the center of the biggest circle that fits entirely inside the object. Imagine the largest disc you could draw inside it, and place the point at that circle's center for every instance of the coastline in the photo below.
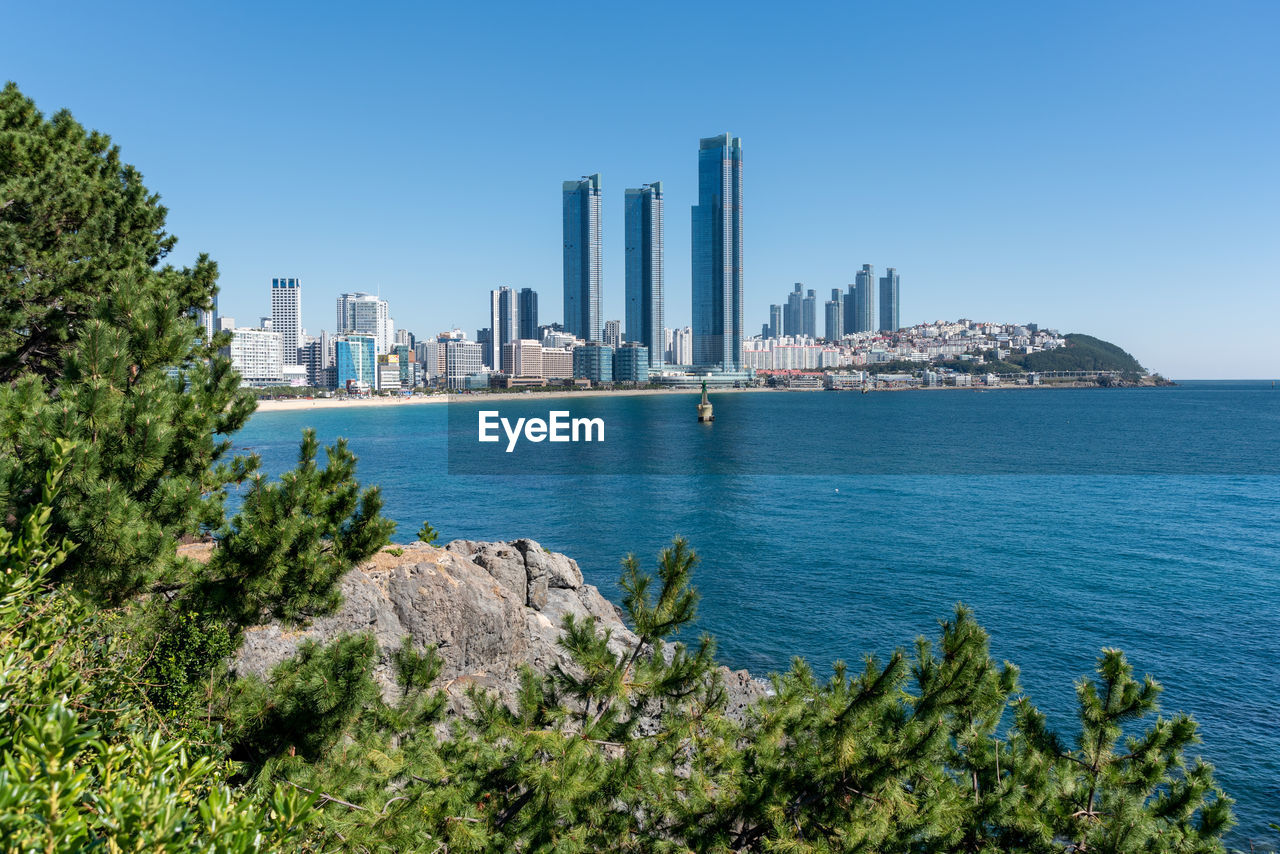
(305, 403)
(292, 404)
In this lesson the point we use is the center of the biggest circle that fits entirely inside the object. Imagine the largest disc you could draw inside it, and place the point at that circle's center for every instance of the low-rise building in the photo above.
(524, 356)
(389, 372)
(557, 363)
(631, 363)
(593, 361)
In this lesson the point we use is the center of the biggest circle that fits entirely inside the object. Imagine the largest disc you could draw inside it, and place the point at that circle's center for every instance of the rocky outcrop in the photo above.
(487, 607)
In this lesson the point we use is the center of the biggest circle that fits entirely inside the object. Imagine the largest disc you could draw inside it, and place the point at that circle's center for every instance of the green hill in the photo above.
(1082, 353)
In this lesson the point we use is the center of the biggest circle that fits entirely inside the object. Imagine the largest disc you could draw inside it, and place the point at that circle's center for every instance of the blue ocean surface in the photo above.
(1160, 538)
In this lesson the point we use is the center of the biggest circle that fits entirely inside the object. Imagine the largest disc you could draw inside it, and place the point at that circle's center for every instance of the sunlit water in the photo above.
(811, 549)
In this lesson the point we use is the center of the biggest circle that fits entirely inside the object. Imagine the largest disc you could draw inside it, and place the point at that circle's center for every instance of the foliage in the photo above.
(990, 365)
(427, 534)
(1133, 799)
(98, 350)
(84, 767)
(1082, 353)
(98, 347)
(284, 552)
(77, 230)
(177, 672)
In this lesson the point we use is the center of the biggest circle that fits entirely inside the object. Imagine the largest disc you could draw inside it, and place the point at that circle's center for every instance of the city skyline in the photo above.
(1042, 140)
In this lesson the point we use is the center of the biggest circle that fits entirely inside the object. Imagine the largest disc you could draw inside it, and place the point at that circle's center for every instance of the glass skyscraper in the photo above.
(775, 321)
(582, 258)
(835, 319)
(865, 300)
(528, 314)
(889, 300)
(717, 255)
(792, 315)
(355, 360)
(644, 270)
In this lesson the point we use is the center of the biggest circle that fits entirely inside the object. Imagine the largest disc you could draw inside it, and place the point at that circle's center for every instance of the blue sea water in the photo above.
(1151, 526)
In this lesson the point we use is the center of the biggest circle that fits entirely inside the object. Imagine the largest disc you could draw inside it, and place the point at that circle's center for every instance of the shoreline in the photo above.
(304, 403)
(308, 403)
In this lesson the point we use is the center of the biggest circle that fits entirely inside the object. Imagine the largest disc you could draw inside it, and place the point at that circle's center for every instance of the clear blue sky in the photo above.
(1093, 166)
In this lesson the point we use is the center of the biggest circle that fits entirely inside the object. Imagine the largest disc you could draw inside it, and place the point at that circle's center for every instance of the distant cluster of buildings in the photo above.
(847, 312)
(366, 352)
(923, 344)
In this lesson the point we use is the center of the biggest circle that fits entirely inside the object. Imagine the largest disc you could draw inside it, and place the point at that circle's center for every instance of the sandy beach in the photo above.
(293, 404)
(343, 402)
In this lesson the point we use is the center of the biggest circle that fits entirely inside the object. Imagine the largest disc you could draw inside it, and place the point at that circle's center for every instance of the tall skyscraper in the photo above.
(583, 258)
(286, 316)
(851, 310)
(644, 269)
(809, 315)
(528, 312)
(835, 323)
(775, 321)
(792, 315)
(889, 300)
(717, 255)
(865, 300)
(365, 314)
(504, 323)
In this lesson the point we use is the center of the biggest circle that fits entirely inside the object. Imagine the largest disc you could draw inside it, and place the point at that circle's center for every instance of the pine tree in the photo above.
(98, 348)
(1139, 796)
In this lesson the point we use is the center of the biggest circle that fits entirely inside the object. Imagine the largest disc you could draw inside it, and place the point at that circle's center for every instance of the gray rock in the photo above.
(488, 608)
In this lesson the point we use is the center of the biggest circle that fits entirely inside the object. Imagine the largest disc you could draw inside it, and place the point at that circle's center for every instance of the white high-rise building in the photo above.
(682, 346)
(462, 359)
(365, 314)
(286, 316)
(256, 355)
(504, 326)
